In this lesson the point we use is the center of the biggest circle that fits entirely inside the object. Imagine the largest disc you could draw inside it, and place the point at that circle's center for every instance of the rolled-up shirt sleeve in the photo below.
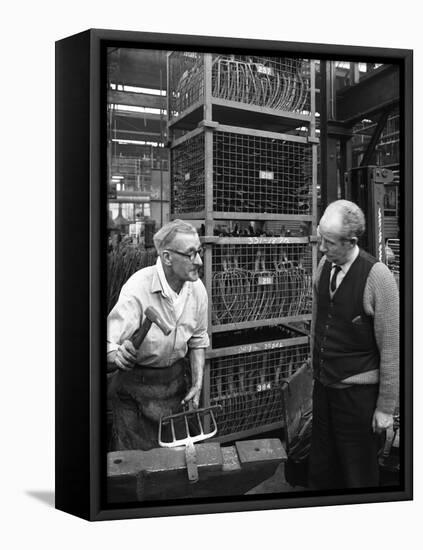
(123, 320)
(200, 337)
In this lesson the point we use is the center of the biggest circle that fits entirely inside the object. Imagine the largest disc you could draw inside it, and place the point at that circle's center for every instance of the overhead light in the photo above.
(117, 177)
(138, 142)
(136, 109)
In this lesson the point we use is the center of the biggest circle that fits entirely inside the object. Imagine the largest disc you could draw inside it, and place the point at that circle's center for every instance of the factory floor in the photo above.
(277, 483)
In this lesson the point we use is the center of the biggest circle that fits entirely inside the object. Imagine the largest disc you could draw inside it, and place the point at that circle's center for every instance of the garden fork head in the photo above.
(186, 428)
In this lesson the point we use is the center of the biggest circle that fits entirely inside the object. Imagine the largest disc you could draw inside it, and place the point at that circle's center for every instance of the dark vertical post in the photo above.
(328, 143)
(208, 206)
(345, 163)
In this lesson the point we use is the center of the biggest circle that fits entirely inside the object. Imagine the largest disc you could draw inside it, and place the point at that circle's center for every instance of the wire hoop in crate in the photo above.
(248, 386)
(271, 82)
(256, 282)
(282, 84)
(186, 81)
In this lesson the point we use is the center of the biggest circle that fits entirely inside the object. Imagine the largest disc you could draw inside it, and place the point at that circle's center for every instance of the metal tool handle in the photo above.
(191, 461)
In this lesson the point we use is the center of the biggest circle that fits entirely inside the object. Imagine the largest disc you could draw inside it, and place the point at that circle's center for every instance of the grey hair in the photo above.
(165, 235)
(353, 223)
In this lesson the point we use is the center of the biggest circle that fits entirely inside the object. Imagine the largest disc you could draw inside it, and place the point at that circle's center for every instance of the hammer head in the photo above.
(154, 316)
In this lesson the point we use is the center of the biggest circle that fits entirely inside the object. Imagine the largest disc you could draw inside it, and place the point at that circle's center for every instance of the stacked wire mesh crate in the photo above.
(242, 134)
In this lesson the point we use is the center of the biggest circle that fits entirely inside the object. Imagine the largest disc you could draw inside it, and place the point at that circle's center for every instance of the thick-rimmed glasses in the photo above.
(190, 255)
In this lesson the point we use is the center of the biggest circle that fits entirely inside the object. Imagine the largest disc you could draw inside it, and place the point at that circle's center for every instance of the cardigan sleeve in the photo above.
(381, 301)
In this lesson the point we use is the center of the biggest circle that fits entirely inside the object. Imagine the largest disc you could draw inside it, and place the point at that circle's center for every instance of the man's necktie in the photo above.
(336, 270)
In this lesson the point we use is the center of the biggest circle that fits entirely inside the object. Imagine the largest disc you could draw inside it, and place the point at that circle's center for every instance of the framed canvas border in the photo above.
(81, 219)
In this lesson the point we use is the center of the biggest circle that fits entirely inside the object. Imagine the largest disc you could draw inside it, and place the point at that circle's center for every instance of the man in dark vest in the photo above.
(355, 331)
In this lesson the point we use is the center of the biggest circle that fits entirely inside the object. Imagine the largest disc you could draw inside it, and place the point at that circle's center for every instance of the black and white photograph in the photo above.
(254, 253)
(211, 299)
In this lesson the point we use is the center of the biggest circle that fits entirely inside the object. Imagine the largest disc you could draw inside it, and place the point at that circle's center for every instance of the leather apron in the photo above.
(140, 397)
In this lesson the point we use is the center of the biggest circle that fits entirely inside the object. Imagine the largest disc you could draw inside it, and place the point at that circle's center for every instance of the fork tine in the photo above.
(172, 427)
(186, 426)
(200, 424)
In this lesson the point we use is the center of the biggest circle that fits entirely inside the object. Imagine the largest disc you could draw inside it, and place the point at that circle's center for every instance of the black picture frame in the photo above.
(80, 273)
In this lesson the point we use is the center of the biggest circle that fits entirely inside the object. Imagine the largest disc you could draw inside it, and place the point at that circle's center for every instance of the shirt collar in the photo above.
(156, 285)
(345, 266)
(160, 284)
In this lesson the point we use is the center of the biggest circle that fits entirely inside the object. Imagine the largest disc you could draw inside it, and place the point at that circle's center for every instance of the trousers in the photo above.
(344, 448)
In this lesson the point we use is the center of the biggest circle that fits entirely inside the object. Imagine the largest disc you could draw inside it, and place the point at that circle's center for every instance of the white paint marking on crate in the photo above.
(266, 175)
(265, 281)
(262, 69)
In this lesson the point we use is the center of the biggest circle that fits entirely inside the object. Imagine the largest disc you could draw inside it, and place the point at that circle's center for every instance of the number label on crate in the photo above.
(265, 280)
(187, 176)
(262, 69)
(266, 175)
(273, 345)
(269, 240)
(246, 348)
(263, 387)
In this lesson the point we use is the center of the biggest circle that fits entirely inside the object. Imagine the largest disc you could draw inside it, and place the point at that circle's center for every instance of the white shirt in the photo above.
(177, 300)
(144, 289)
(344, 269)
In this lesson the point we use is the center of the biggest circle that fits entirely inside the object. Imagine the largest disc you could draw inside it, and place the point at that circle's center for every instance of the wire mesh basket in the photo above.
(249, 386)
(187, 176)
(253, 174)
(282, 84)
(260, 174)
(186, 81)
(275, 83)
(257, 282)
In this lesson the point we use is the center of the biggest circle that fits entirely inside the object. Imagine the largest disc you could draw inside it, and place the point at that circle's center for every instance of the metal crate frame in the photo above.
(205, 118)
(260, 281)
(248, 382)
(281, 88)
(255, 174)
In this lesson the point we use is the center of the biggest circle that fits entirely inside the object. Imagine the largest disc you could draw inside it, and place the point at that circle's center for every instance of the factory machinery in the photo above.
(242, 136)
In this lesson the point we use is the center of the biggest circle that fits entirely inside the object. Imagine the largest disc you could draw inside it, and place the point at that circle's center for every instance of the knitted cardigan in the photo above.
(380, 301)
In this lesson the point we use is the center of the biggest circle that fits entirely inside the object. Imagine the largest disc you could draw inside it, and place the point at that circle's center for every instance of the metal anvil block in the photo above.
(134, 476)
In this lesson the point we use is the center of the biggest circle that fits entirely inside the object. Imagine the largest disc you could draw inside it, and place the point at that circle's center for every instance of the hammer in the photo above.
(151, 316)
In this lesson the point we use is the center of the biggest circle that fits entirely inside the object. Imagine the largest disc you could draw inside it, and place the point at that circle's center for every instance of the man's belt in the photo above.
(158, 375)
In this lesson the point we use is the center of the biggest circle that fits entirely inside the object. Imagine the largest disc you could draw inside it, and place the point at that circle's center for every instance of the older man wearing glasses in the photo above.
(155, 380)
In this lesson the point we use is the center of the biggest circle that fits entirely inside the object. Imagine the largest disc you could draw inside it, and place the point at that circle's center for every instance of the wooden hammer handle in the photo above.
(151, 316)
(139, 335)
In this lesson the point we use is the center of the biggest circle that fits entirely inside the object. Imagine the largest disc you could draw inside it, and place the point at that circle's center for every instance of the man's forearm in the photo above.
(197, 360)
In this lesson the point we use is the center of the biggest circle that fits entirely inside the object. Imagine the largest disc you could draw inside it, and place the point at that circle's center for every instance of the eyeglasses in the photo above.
(190, 255)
